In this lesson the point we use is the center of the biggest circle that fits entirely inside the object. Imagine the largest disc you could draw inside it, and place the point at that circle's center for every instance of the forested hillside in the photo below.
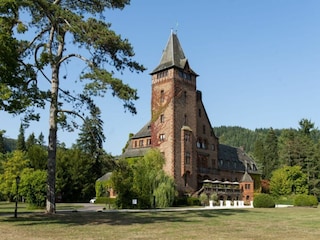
(277, 150)
(242, 137)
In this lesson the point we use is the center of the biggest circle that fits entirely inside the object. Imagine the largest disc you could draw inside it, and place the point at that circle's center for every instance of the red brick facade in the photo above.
(181, 129)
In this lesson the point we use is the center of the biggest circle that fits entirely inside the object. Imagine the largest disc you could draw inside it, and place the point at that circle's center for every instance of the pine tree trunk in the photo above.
(52, 145)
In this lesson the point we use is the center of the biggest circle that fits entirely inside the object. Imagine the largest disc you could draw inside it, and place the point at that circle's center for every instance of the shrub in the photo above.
(203, 199)
(192, 201)
(263, 201)
(105, 200)
(186, 201)
(214, 198)
(305, 200)
(180, 201)
(288, 200)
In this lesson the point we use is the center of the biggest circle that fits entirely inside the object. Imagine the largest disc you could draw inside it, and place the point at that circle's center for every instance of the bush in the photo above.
(204, 199)
(105, 200)
(263, 201)
(180, 201)
(288, 200)
(192, 201)
(305, 200)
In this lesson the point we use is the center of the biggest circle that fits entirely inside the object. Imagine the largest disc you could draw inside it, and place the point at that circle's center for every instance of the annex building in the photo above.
(180, 128)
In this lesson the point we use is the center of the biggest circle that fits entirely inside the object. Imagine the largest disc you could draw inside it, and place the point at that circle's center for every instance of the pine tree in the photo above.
(2, 145)
(271, 158)
(49, 36)
(21, 143)
(31, 140)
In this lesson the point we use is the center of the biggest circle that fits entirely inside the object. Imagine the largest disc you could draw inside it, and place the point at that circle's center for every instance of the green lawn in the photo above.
(7, 208)
(276, 223)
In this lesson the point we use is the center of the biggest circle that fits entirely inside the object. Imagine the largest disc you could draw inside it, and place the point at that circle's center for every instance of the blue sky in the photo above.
(258, 63)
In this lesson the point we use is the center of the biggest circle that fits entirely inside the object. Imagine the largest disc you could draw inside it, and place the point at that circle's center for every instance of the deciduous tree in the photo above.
(147, 181)
(33, 186)
(13, 166)
(288, 180)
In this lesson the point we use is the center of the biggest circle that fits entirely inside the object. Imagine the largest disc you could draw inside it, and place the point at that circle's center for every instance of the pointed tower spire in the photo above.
(172, 56)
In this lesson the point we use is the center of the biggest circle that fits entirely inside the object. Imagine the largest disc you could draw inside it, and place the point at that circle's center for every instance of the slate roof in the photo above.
(172, 56)
(235, 159)
(246, 178)
(134, 152)
(145, 131)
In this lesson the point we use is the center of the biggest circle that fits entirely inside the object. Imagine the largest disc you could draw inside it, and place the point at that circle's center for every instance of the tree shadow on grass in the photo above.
(119, 218)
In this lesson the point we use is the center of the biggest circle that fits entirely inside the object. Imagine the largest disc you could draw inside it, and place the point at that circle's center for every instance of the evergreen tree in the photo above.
(259, 153)
(314, 173)
(306, 126)
(41, 139)
(289, 147)
(31, 140)
(38, 157)
(90, 142)
(21, 144)
(2, 145)
(271, 159)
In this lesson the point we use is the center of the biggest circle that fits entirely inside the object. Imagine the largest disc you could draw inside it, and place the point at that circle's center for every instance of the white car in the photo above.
(93, 200)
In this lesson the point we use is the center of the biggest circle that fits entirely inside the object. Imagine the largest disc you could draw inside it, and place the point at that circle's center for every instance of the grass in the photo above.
(8, 207)
(275, 223)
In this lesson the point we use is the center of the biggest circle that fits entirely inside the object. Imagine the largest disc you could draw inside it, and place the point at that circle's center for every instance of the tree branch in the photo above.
(90, 63)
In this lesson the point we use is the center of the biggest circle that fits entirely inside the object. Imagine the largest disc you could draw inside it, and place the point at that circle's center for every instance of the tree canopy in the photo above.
(288, 180)
(53, 34)
(143, 179)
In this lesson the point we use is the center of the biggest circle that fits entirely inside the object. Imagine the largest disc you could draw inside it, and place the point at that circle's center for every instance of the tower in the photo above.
(173, 121)
(180, 128)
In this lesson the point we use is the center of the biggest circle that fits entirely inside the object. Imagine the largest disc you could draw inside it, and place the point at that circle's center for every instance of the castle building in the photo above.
(180, 128)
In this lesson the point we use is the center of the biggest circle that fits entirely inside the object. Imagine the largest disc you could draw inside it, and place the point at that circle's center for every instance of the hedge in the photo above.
(105, 200)
(305, 200)
(263, 201)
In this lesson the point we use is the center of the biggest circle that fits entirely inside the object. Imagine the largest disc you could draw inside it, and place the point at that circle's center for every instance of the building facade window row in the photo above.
(203, 144)
(142, 143)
